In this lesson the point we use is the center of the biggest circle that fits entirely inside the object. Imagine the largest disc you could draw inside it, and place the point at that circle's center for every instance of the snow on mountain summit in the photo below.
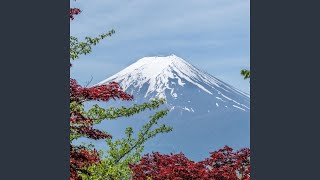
(170, 77)
(205, 112)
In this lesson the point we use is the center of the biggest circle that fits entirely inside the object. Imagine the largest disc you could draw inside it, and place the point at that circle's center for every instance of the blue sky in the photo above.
(213, 35)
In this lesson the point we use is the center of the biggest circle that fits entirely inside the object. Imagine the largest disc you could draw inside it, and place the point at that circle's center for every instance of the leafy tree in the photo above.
(85, 160)
(224, 164)
(80, 125)
(122, 152)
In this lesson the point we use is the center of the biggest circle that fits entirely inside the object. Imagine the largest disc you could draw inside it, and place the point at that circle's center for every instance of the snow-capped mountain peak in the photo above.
(170, 76)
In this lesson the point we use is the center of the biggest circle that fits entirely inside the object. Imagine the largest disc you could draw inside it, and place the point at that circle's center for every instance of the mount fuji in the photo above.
(205, 113)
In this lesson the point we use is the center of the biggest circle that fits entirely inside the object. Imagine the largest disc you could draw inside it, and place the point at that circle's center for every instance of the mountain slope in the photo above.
(206, 113)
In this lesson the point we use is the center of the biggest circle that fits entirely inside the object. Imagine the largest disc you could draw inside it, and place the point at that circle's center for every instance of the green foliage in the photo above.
(121, 152)
(98, 114)
(78, 48)
(114, 161)
(245, 73)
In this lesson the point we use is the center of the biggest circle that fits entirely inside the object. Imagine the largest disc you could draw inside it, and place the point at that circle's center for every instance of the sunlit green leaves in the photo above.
(82, 48)
(121, 152)
(98, 114)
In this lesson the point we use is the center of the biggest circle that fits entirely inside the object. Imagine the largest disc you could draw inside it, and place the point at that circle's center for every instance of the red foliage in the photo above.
(160, 167)
(224, 164)
(80, 157)
(227, 164)
(98, 93)
(73, 12)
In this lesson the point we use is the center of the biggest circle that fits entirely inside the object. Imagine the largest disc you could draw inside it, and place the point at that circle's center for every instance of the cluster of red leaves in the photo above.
(224, 164)
(73, 12)
(81, 157)
(227, 164)
(160, 167)
(97, 93)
